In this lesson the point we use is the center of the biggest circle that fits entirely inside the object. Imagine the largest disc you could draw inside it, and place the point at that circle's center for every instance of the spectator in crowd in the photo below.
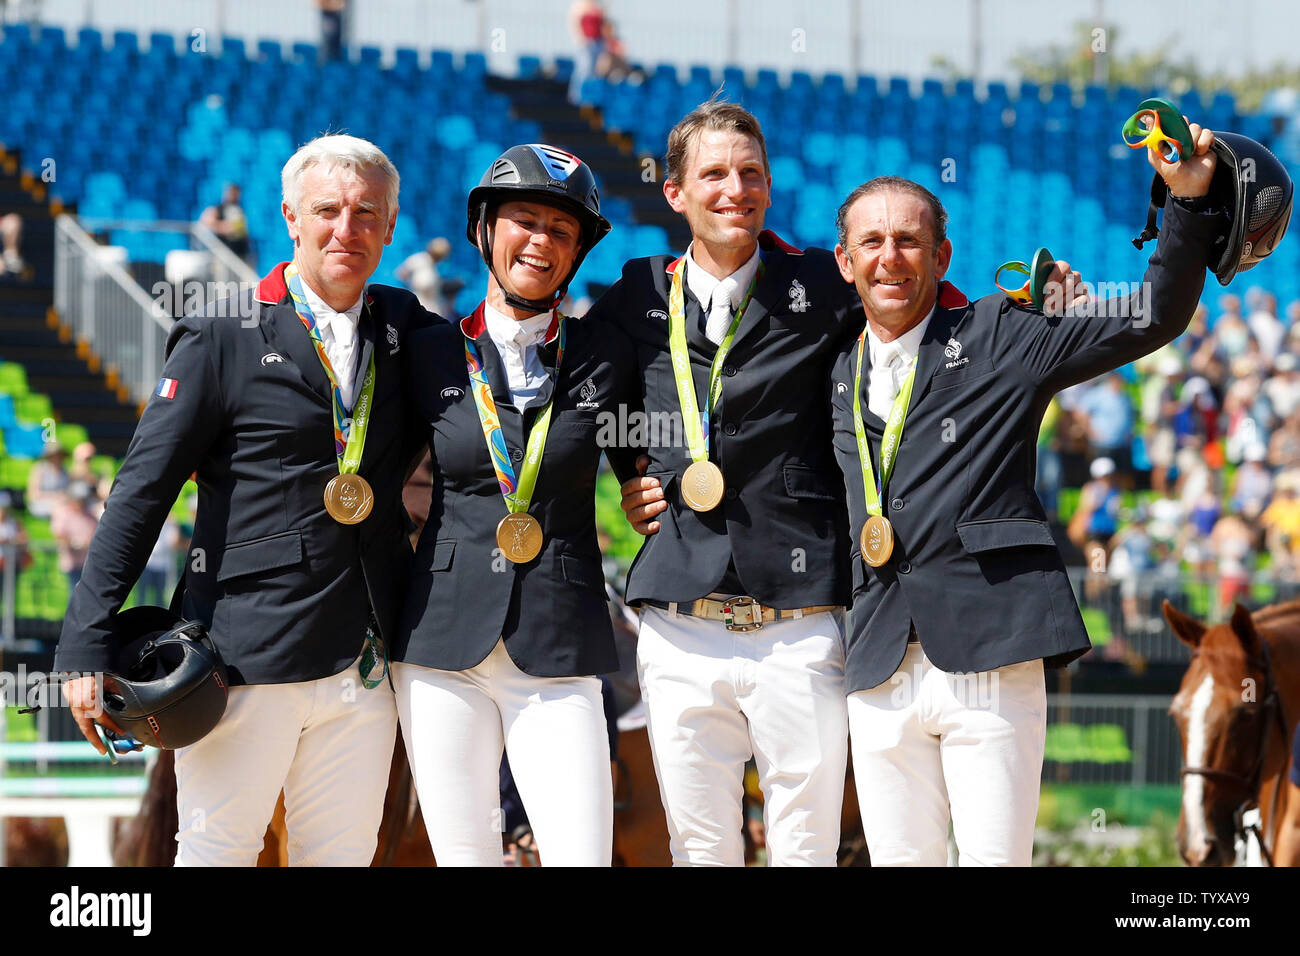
(11, 237)
(47, 480)
(160, 570)
(1284, 445)
(228, 221)
(1281, 524)
(1110, 420)
(1232, 543)
(1252, 485)
(1132, 557)
(1230, 329)
(1097, 517)
(1283, 387)
(1264, 323)
(1247, 417)
(1196, 422)
(1159, 405)
(420, 273)
(13, 539)
(587, 27)
(83, 471)
(331, 29)
(73, 526)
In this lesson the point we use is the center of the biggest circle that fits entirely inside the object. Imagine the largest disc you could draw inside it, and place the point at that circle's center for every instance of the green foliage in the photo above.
(1096, 55)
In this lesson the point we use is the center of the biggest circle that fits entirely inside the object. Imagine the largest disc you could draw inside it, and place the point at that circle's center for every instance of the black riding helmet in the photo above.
(169, 686)
(1253, 185)
(551, 176)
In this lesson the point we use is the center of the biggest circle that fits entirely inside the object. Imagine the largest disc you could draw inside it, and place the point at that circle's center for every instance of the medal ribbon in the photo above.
(518, 495)
(697, 439)
(349, 431)
(893, 436)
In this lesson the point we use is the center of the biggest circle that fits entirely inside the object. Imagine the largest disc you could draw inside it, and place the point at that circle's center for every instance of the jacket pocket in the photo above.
(263, 554)
(803, 482)
(989, 534)
(583, 573)
(437, 560)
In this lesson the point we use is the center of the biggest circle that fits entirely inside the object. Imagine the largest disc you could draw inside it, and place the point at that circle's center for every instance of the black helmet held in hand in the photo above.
(169, 687)
(1257, 191)
(1254, 187)
(548, 175)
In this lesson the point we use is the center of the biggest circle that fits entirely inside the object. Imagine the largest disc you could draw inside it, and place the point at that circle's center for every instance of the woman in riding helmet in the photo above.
(506, 622)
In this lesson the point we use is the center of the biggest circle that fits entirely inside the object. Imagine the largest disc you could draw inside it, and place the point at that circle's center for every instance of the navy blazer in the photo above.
(782, 521)
(974, 567)
(283, 588)
(465, 595)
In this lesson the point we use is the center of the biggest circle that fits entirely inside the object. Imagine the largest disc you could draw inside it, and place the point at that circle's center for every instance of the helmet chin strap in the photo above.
(518, 302)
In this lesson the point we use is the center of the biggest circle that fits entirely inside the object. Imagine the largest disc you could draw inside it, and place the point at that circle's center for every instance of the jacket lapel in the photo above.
(288, 336)
(776, 270)
(951, 306)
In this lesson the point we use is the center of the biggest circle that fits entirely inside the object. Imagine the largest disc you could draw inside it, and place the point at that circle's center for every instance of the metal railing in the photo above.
(123, 324)
(1117, 739)
(108, 310)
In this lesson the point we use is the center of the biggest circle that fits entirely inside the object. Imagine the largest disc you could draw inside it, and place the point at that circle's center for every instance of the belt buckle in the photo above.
(742, 602)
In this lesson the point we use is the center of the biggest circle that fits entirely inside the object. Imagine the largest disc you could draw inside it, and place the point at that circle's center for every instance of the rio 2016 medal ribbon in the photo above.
(519, 535)
(877, 536)
(702, 483)
(348, 497)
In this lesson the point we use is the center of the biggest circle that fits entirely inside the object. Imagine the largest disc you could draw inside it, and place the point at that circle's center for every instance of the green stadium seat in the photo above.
(13, 379)
(1107, 744)
(33, 408)
(70, 436)
(1094, 619)
(38, 529)
(1065, 743)
(14, 472)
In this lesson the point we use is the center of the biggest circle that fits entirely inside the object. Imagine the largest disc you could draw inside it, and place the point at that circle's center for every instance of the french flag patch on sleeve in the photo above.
(167, 388)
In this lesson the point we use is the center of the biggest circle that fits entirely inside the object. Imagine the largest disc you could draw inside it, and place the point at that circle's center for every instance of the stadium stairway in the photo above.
(611, 154)
(31, 335)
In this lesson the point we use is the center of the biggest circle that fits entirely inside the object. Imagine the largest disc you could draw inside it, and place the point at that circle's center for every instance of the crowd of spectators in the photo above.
(70, 495)
(1188, 461)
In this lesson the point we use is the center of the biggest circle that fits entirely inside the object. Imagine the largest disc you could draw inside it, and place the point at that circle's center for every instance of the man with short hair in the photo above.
(960, 597)
(742, 580)
(297, 582)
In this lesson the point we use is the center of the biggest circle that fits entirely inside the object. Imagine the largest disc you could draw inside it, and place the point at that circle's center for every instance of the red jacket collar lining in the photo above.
(273, 289)
(475, 324)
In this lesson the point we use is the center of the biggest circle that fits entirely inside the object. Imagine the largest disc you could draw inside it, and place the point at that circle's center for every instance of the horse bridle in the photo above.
(1271, 704)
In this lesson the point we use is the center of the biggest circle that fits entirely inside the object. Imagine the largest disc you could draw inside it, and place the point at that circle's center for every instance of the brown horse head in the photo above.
(1223, 725)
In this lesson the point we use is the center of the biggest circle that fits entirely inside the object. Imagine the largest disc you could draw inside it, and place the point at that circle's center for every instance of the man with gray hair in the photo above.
(287, 409)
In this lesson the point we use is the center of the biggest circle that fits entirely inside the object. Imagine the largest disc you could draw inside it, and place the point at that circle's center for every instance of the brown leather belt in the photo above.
(740, 613)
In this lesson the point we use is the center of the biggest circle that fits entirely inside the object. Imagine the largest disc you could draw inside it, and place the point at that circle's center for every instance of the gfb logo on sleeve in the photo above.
(77, 909)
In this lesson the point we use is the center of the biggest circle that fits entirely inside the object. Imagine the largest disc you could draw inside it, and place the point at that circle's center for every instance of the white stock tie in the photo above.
(343, 329)
(715, 330)
(886, 380)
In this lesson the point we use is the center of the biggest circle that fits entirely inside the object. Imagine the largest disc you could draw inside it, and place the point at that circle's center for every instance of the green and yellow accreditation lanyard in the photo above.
(877, 538)
(702, 483)
(349, 498)
(519, 535)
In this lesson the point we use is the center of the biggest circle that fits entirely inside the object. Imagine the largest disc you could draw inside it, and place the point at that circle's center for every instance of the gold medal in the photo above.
(519, 537)
(877, 540)
(349, 498)
(702, 486)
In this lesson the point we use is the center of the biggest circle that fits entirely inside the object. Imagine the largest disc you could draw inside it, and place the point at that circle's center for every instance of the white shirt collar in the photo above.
(321, 311)
(702, 284)
(516, 334)
(909, 341)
